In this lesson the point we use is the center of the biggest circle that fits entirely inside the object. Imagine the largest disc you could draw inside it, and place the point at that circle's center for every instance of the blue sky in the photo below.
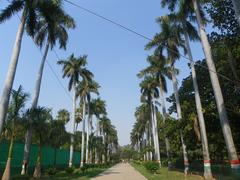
(114, 56)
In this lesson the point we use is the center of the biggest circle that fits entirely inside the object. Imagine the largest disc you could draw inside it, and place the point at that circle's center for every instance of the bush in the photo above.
(69, 170)
(137, 162)
(91, 166)
(84, 168)
(51, 171)
(21, 177)
(152, 166)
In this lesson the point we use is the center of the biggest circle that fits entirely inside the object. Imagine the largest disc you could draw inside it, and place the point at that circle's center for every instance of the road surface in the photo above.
(121, 171)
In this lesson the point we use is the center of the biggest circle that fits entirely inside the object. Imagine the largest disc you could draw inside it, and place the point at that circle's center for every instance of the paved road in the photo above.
(121, 171)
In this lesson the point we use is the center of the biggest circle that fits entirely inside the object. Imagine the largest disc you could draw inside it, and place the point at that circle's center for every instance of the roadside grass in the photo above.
(164, 173)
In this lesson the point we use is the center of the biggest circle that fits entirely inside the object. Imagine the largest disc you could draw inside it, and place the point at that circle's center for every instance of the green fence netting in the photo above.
(48, 156)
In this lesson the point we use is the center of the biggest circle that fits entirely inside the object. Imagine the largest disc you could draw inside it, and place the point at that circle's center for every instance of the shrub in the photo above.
(21, 177)
(137, 162)
(152, 166)
(91, 166)
(69, 170)
(51, 171)
(84, 168)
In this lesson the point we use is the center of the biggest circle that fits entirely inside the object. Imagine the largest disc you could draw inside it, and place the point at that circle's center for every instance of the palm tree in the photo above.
(47, 33)
(236, 5)
(149, 92)
(74, 68)
(104, 124)
(233, 157)
(93, 88)
(99, 108)
(232, 153)
(159, 70)
(189, 32)
(170, 39)
(39, 119)
(31, 10)
(143, 116)
(84, 90)
(90, 129)
(142, 129)
(111, 141)
(17, 104)
(63, 115)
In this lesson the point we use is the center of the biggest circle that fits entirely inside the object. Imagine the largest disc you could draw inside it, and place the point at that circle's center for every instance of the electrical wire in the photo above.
(145, 37)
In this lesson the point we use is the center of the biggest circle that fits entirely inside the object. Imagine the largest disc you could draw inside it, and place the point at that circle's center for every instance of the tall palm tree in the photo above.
(111, 141)
(93, 88)
(31, 11)
(104, 124)
(99, 109)
(149, 92)
(142, 115)
(47, 33)
(17, 104)
(74, 69)
(227, 133)
(109, 135)
(90, 129)
(170, 39)
(158, 69)
(190, 33)
(84, 90)
(236, 5)
(194, 4)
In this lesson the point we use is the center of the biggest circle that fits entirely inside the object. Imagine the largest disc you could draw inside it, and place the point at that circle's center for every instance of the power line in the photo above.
(145, 37)
(60, 83)
(54, 73)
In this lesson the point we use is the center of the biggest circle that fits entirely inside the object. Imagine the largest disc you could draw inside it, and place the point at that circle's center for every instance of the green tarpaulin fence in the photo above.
(48, 155)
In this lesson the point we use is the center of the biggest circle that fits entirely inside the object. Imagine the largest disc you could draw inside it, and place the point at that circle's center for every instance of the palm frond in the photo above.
(11, 9)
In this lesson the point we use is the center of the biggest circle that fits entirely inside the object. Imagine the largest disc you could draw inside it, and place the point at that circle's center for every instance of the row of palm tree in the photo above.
(43, 125)
(47, 23)
(49, 131)
(176, 32)
(83, 86)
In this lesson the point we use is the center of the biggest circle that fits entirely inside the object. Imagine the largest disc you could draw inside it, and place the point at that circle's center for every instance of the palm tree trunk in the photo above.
(103, 154)
(206, 156)
(90, 148)
(236, 5)
(37, 170)
(7, 171)
(164, 118)
(234, 161)
(83, 135)
(11, 72)
(97, 134)
(87, 140)
(73, 127)
(179, 114)
(147, 142)
(150, 143)
(28, 137)
(156, 135)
